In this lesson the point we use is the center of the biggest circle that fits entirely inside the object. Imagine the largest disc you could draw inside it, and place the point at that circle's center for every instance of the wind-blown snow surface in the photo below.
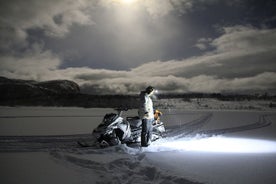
(39, 145)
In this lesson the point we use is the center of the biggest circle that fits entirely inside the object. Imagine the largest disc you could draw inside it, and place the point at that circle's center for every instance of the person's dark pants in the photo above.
(146, 132)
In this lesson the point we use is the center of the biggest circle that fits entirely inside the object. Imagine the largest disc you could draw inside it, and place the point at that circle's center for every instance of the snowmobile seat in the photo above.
(134, 121)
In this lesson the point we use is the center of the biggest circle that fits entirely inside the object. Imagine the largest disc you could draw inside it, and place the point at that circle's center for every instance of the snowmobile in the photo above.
(115, 130)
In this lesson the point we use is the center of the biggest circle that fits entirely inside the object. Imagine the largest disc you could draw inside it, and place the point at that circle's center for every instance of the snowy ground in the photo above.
(38, 145)
(214, 104)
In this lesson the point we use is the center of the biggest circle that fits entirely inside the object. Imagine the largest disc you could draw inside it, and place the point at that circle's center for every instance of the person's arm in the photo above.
(145, 106)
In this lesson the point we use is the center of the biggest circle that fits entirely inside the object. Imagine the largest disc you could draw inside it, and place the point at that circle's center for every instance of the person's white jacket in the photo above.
(146, 106)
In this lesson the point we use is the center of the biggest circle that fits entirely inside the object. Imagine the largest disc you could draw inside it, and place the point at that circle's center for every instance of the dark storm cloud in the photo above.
(243, 59)
(107, 47)
(55, 17)
(240, 51)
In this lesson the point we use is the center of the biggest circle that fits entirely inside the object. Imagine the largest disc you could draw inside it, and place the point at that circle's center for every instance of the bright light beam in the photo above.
(218, 145)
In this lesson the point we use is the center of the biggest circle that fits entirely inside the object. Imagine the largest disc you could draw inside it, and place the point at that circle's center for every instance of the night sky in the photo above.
(121, 46)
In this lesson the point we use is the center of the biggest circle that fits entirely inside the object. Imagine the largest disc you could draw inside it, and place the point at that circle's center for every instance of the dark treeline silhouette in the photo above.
(114, 101)
(74, 100)
(14, 92)
(219, 96)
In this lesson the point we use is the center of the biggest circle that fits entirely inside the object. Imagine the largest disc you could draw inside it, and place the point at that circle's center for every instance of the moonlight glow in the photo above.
(128, 1)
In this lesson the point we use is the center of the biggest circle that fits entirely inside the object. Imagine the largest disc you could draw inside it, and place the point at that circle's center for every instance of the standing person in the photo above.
(147, 115)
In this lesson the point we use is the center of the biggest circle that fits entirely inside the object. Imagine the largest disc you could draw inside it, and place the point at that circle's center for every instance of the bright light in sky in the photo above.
(128, 1)
(217, 144)
(125, 1)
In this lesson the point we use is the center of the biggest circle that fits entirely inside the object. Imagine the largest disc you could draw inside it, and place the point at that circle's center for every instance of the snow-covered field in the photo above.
(39, 145)
(214, 104)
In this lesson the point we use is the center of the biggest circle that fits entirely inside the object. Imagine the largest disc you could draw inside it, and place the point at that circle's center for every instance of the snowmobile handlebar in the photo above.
(120, 111)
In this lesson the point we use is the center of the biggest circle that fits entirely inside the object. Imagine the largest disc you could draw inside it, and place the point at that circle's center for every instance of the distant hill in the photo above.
(28, 92)
(15, 88)
(16, 92)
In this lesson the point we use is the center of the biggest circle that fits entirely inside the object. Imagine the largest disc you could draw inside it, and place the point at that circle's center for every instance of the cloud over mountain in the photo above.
(85, 40)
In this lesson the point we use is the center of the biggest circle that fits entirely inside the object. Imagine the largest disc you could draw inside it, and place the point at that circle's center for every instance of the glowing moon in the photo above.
(128, 1)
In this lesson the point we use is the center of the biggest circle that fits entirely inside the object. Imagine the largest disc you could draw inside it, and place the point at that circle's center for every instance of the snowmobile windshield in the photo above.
(108, 119)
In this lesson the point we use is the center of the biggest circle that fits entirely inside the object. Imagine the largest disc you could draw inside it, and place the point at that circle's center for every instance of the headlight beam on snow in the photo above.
(217, 145)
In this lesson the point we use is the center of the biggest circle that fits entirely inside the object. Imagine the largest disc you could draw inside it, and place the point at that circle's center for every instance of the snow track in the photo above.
(262, 122)
(40, 143)
(123, 164)
(193, 128)
(127, 169)
(69, 142)
(189, 128)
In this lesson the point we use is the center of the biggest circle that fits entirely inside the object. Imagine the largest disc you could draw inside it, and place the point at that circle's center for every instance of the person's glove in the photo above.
(146, 115)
